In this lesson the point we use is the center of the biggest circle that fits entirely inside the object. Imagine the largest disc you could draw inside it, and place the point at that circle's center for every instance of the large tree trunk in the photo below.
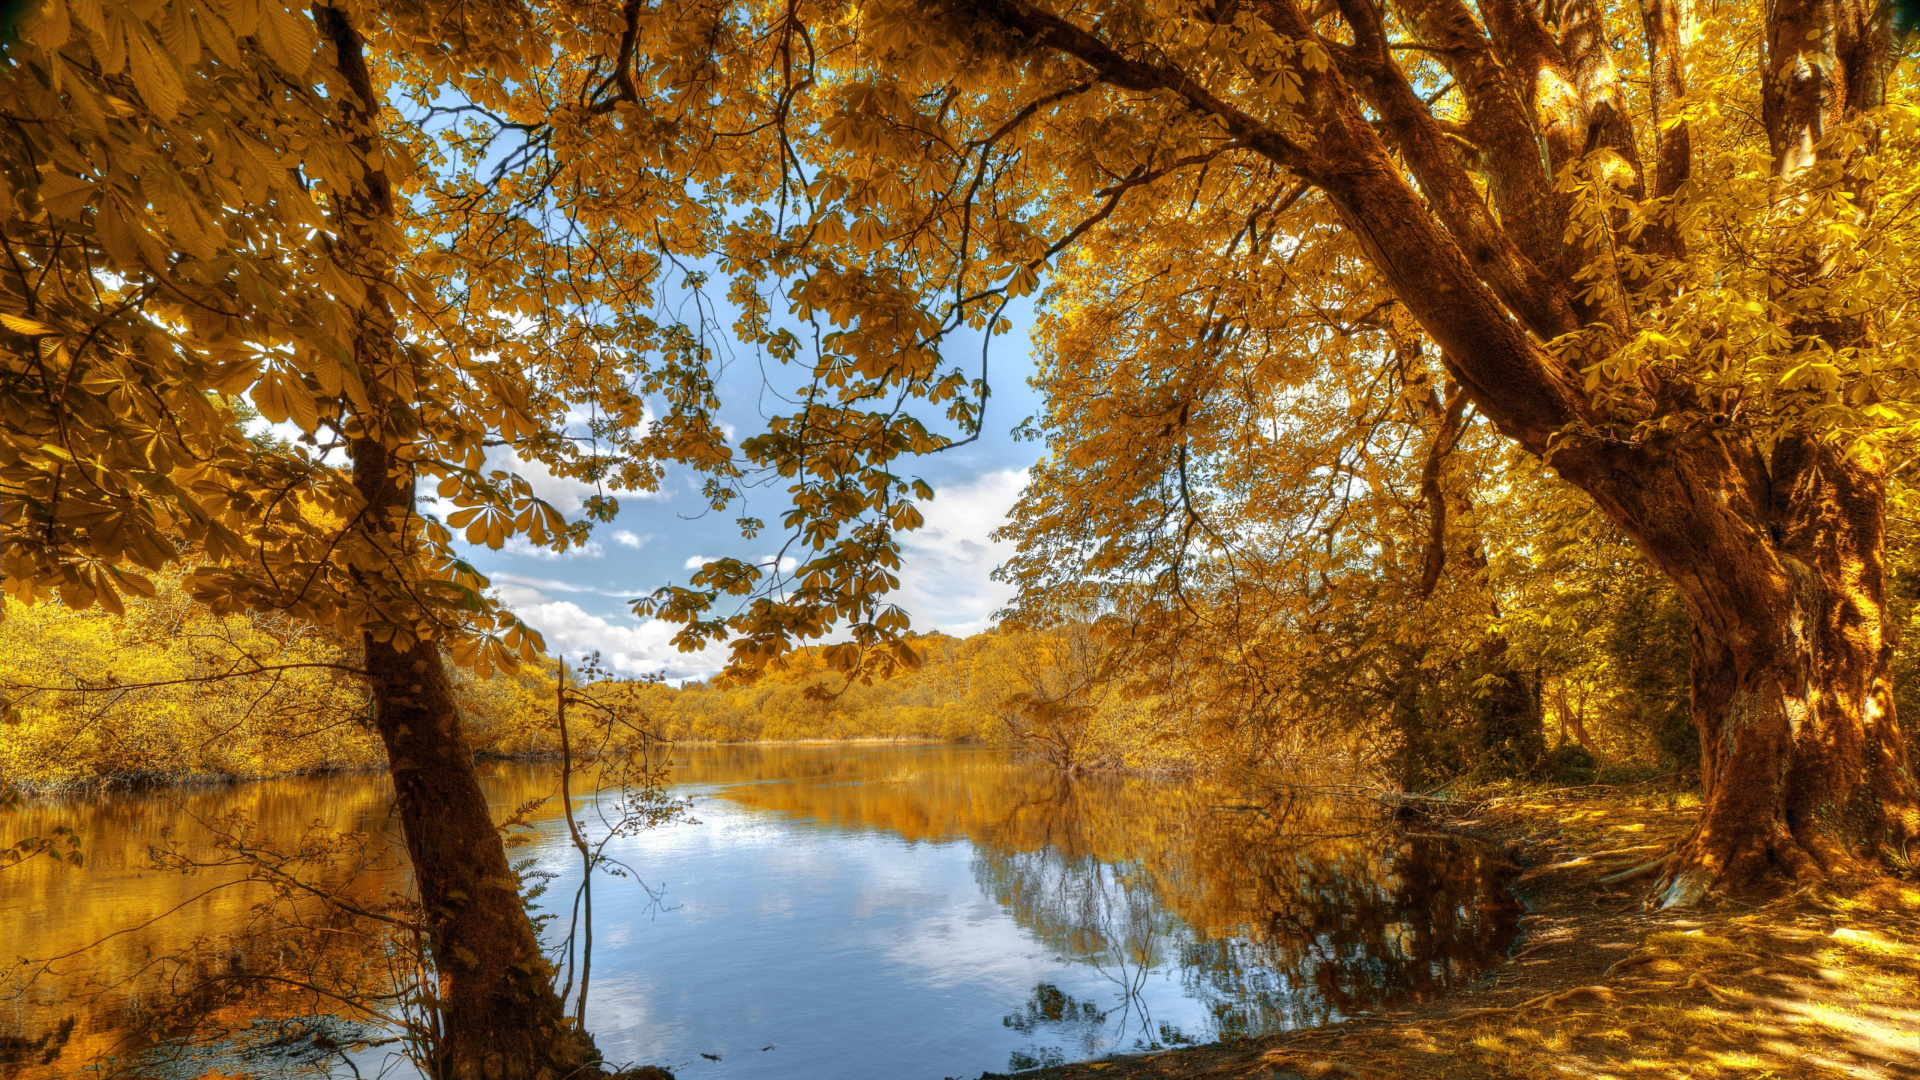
(1781, 560)
(1781, 564)
(500, 1016)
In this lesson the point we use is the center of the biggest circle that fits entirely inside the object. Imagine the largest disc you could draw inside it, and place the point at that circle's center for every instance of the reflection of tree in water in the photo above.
(1093, 912)
(1100, 911)
(1329, 931)
(278, 921)
(1052, 1005)
(1277, 922)
(1052, 1012)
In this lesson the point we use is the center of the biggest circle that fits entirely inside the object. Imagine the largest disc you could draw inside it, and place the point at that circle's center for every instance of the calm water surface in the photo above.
(834, 911)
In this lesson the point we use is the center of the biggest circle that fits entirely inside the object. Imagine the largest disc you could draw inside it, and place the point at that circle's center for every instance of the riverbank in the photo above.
(1810, 985)
(141, 782)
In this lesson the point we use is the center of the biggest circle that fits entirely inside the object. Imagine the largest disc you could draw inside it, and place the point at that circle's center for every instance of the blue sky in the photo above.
(578, 600)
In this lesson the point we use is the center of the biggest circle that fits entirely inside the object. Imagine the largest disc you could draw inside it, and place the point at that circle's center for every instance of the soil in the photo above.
(1822, 983)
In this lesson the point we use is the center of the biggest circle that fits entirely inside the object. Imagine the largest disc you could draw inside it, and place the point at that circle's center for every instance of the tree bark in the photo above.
(1781, 564)
(1582, 29)
(501, 1019)
(1668, 25)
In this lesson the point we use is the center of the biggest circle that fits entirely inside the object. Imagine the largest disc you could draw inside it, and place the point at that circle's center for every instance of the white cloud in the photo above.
(627, 538)
(539, 586)
(520, 545)
(787, 562)
(636, 649)
(945, 563)
(514, 594)
(697, 561)
(563, 492)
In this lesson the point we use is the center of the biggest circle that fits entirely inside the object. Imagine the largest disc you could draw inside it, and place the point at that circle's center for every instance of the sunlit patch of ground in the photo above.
(1823, 985)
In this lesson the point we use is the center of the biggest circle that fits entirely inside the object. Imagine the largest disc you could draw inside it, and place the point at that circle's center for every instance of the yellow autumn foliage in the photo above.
(172, 692)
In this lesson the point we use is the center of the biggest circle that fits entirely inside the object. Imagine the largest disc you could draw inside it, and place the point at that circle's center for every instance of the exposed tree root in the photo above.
(1598, 858)
(1647, 869)
(1545, 1001)
(1746, 863)
(1279, 1060)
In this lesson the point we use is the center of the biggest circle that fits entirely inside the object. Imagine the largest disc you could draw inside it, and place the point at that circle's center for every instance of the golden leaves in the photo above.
(281, 395)
(127, 237)
(178, 35)
(44, 23)
(192, 264)
(156, 75)
(62, 195)
(489, 525)
(25, 326)
(287, 38)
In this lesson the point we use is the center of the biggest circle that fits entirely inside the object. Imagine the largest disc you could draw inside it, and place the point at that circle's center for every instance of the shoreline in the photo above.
(147, 783)
(1594, 985)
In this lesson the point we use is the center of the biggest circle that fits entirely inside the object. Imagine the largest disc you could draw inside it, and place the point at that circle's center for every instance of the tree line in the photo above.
(168, 692)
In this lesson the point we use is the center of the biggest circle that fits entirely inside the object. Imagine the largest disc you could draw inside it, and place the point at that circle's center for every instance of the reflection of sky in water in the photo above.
(853, 953)
(856, 952)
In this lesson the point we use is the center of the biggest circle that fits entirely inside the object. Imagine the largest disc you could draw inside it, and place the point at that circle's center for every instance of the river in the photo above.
(851, 910)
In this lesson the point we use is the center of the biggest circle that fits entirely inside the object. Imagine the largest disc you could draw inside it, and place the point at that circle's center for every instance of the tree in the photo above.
(1312, 566)
(502, 1014)
(1674, 308)
(1058, 687)
(216, 199)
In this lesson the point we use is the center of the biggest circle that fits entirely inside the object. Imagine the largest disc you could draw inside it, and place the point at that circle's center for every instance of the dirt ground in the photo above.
(1599, 987)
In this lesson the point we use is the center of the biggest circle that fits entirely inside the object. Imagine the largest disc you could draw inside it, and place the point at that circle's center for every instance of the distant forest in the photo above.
(172, 692)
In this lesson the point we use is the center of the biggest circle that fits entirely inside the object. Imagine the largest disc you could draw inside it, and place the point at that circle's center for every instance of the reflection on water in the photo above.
(917, 911)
